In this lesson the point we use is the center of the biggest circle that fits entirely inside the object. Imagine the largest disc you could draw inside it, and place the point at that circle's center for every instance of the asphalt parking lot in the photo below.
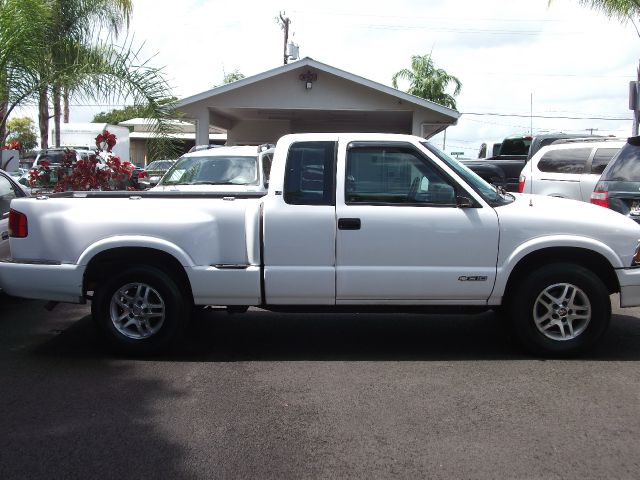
(265, 395)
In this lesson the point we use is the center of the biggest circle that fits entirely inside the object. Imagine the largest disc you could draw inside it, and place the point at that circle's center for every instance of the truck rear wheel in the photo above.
(561, 309)
(140, 310)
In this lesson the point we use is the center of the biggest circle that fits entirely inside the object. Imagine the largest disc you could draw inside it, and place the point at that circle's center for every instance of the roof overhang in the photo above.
(350, 103)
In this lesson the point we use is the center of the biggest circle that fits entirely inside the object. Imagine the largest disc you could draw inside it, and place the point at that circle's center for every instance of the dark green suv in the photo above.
(619, 184)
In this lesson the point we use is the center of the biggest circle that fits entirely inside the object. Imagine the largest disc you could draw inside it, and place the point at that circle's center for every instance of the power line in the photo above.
(550, 117)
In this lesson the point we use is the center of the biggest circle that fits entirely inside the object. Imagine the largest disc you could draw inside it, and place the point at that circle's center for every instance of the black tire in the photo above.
(148, 327)
(587, 308)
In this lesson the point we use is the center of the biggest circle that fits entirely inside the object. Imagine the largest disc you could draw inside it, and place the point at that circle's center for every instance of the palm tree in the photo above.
(23, 24)
(94, 70)
(621, 9)
(625, 11)
(75, 21)
(428, 82)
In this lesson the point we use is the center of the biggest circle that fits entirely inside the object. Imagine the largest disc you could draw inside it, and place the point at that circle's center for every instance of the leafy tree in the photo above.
(92, 67)
(23, 26)
(22, 130)
(621, 9)
(428, 82)
(232, 77)
(74, 21)
(118, 115)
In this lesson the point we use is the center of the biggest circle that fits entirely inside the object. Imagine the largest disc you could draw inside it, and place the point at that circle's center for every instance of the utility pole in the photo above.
(591, 130)
(531, 116)
(284, 25)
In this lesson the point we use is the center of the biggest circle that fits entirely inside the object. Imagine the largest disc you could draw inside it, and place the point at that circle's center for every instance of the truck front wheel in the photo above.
(140, 310)
(561, 309)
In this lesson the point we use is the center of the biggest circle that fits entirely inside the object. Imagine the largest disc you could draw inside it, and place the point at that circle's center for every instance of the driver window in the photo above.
(395, 175)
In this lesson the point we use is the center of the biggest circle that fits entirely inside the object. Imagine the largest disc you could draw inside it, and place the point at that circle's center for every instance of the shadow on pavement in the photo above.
(265, 336)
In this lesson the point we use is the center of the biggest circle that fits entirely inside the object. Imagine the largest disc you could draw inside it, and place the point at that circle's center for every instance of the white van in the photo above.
(568, 168)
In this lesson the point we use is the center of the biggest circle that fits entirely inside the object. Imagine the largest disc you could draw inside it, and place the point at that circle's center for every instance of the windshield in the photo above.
(213, 170)
(490, 193)
(160, 165)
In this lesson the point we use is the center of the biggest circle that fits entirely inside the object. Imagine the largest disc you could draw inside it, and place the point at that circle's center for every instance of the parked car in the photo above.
(545, 139)
(16, 174)
(503, 170)
(135, 175)
(9, 189)
(619, 184)
(568, 168)
(54, 156)
(153, 173)
(221, 169)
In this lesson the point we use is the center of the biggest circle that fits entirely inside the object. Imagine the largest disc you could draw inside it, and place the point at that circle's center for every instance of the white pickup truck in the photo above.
(358, 222)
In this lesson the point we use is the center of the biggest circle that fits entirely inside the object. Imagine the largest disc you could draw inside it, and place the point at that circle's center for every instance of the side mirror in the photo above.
(463, 202)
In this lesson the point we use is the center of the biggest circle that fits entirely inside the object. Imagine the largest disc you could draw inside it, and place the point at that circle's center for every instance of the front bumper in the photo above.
(60, 282)
(629, 279)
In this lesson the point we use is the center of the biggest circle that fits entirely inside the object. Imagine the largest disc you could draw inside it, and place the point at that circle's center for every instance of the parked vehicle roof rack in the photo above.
(587, 139)
(198, 148)
(265, 146)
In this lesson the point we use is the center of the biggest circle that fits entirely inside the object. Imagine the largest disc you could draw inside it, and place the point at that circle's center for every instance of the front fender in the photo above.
(505, 269)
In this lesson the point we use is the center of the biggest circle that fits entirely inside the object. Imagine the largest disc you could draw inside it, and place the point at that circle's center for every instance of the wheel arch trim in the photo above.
(538, 245)
(123, 242)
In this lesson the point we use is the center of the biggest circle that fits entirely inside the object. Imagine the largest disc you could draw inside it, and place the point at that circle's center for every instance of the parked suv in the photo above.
(236, 169)
(568, 168)
(619, 185)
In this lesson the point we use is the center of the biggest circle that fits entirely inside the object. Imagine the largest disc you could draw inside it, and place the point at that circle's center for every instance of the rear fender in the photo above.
(135, 241)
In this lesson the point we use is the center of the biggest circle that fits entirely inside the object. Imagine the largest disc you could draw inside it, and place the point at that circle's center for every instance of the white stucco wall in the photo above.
(270, 107)
(257, 132)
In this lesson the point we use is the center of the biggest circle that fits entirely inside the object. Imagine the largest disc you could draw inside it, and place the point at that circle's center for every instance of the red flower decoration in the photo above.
(106, 141)
(12, 145)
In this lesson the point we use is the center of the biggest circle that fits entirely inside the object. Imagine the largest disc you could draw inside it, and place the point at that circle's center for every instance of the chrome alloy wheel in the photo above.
(562, 312)
(137, 311)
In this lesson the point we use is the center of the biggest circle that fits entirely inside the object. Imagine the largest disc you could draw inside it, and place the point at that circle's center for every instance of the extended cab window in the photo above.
(394, 175)
(569, 160)
(310, 173)
(266, 165)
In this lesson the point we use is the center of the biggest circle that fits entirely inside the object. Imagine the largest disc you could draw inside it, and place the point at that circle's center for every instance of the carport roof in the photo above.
(309, 62)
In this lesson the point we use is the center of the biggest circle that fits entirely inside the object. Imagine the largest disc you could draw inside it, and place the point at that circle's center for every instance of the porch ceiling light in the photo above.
(308, 78)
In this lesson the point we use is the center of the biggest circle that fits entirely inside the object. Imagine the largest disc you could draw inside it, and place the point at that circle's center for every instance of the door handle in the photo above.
(349, 224)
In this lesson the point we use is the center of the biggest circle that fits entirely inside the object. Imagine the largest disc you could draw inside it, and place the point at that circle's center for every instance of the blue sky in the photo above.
(571, 61)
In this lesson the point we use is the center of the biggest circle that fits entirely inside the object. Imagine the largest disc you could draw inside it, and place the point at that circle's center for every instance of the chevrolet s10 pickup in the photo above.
(350, 222)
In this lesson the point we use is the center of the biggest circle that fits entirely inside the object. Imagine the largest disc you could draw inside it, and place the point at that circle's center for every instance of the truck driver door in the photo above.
(401, 236)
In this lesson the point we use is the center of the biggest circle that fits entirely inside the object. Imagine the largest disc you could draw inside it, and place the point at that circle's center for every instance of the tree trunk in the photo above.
(4, 106)
(43, 117)
(65, 97)
(636, 112)
(57, 113)
(3, 125)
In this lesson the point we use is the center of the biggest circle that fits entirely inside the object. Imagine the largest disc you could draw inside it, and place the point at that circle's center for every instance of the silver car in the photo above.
(9, 189)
